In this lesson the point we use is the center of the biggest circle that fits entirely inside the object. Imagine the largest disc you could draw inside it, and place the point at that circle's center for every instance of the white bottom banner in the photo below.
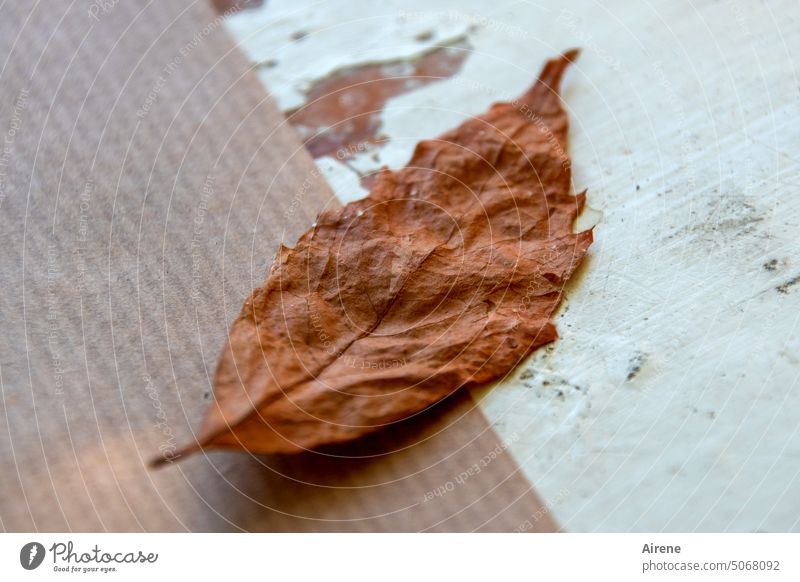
(402, 557)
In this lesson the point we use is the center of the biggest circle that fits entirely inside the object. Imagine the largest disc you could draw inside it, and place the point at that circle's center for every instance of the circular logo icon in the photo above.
(31, 555)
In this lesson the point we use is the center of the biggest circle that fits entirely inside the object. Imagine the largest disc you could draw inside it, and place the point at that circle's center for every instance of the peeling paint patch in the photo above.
(342, 114)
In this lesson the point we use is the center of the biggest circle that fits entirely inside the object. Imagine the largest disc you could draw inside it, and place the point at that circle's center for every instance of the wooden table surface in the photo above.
(140, 185)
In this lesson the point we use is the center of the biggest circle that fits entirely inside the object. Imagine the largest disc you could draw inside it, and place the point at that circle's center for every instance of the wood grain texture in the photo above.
(147, 182)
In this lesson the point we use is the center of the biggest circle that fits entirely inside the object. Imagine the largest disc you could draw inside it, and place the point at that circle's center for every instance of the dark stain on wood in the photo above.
(229, 6)
(342, 114)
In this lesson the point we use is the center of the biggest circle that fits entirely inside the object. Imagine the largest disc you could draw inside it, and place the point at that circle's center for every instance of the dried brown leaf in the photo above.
(445, 276)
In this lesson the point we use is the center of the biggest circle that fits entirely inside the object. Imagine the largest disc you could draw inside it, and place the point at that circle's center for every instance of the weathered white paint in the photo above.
(671, 400)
